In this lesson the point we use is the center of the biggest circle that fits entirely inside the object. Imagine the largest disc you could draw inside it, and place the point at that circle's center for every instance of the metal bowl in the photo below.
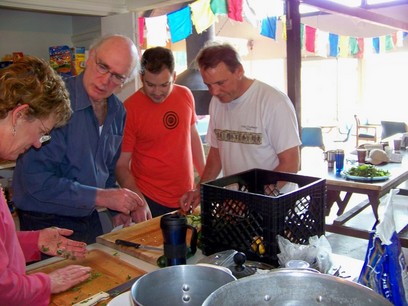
(292, 287)
(187, 285)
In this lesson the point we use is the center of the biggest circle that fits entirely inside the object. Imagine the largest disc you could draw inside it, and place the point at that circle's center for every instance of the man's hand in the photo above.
(122, 200)
(141, 214)
(190, 200)
(52, 242)
(121, 219)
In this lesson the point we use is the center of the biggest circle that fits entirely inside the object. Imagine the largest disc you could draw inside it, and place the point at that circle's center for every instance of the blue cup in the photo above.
(174, 229)
(339, 161)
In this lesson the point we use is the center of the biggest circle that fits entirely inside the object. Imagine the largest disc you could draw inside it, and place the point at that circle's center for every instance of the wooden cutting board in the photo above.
(147, 233)
(108, 271)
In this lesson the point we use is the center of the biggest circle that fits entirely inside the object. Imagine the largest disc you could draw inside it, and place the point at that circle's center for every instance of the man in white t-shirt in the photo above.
(252, 125)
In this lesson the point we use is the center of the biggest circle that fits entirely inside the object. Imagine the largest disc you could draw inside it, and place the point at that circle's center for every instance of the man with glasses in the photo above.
(64, 183)
(161, 144)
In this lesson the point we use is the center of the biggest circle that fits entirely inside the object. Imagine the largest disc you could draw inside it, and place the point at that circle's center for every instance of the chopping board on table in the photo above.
(145, 233)
(108, 271)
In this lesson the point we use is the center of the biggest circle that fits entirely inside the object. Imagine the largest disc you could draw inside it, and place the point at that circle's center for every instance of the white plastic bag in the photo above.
(317, 253)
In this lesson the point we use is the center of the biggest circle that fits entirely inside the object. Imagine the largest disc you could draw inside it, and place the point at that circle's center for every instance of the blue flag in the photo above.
(269, 27)
(180, 24)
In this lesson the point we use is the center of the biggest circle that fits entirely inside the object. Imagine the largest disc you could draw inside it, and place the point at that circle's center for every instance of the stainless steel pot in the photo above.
(187, 285)
(286, 287)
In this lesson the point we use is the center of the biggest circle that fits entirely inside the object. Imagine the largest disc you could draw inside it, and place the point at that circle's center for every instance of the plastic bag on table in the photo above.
(384, 268)
(317, 253)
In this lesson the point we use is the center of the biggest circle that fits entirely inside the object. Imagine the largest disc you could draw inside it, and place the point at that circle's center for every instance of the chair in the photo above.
(312, 137)
(389, 128)
(365, 132)
(344, 133)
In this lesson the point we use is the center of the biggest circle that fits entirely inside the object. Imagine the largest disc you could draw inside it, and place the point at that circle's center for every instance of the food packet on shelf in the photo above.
(385, 269)
(60, 60)
(317, 253)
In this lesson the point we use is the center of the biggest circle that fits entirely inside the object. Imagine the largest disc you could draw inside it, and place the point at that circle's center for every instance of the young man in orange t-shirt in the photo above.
(161, 145)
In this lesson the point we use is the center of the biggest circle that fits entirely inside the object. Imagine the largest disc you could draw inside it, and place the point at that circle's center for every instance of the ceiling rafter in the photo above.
(357, 12)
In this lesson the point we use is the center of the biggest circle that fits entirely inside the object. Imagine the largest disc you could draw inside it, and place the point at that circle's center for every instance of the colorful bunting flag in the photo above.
(382, 44)
(235, 10)
(368, 46)
(333, 44)
(360, 44)
(268, 28)
(141, 25)
(250, 15)
(180, 24)
(219, 7)
(156, 28)
(310, 35)
(389, 43)
(202, 15)
(322, 39)
(344, 46)
(353, 46)
(376, 44)
(400, 38)
(284, 28)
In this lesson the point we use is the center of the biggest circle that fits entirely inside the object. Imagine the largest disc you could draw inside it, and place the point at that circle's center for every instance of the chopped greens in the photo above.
(44, 249)
(367, 171)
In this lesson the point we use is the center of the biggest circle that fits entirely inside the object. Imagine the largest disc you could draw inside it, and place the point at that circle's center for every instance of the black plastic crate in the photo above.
(243, 213)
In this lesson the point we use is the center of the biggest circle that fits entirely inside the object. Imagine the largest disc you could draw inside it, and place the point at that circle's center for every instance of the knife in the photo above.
(103, 295)
(137, 245)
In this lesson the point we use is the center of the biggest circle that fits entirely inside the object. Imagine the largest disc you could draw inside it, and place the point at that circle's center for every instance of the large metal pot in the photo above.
(187, 285)
(294, 287)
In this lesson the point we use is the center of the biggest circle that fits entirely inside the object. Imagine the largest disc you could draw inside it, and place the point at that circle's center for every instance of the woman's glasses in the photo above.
(46, 135)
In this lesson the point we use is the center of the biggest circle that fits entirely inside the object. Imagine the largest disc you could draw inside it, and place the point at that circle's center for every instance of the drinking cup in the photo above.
(331, 158)
(174, 229)
(397, 144)
(361, 155)
(339, 161)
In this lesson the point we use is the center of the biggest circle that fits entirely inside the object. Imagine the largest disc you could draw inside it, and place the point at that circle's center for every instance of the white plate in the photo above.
(124, 299)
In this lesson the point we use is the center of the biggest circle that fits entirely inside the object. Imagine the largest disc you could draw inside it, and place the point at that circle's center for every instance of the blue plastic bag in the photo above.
(384, 268)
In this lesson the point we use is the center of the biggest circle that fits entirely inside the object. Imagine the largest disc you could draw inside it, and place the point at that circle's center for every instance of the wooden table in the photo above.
(336, 184)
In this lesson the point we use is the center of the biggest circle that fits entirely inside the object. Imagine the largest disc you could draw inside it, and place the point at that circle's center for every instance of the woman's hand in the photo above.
(52, 242)
(65, 278)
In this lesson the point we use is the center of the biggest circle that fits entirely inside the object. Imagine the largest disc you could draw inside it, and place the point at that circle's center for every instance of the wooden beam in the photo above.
(333, 7)
(294, 56)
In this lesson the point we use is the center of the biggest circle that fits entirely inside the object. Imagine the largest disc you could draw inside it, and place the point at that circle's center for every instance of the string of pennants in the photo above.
(201, 14)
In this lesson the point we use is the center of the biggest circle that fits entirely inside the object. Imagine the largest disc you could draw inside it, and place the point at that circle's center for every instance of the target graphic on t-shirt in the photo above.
(170, 120)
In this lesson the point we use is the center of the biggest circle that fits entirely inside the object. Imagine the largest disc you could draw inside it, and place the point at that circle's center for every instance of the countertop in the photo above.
(349, 268)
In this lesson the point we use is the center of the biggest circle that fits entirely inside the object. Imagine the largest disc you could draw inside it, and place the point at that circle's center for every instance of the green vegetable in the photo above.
(367, 171)
(194, 220)
(162, 261)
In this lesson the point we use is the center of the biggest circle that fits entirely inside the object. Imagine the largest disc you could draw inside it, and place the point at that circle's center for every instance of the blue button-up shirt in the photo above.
(62, 177)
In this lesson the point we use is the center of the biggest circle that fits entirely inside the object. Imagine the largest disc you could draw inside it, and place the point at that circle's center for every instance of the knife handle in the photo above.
(93, 299)
(127, 243)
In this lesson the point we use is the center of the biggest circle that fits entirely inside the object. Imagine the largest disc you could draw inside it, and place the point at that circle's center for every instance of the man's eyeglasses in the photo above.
(102, 68)
(46, 136)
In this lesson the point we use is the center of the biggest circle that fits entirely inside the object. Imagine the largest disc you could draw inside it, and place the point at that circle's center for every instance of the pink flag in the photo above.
(310, 34)
(141, 23)
(235, 10)
(360, 43)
